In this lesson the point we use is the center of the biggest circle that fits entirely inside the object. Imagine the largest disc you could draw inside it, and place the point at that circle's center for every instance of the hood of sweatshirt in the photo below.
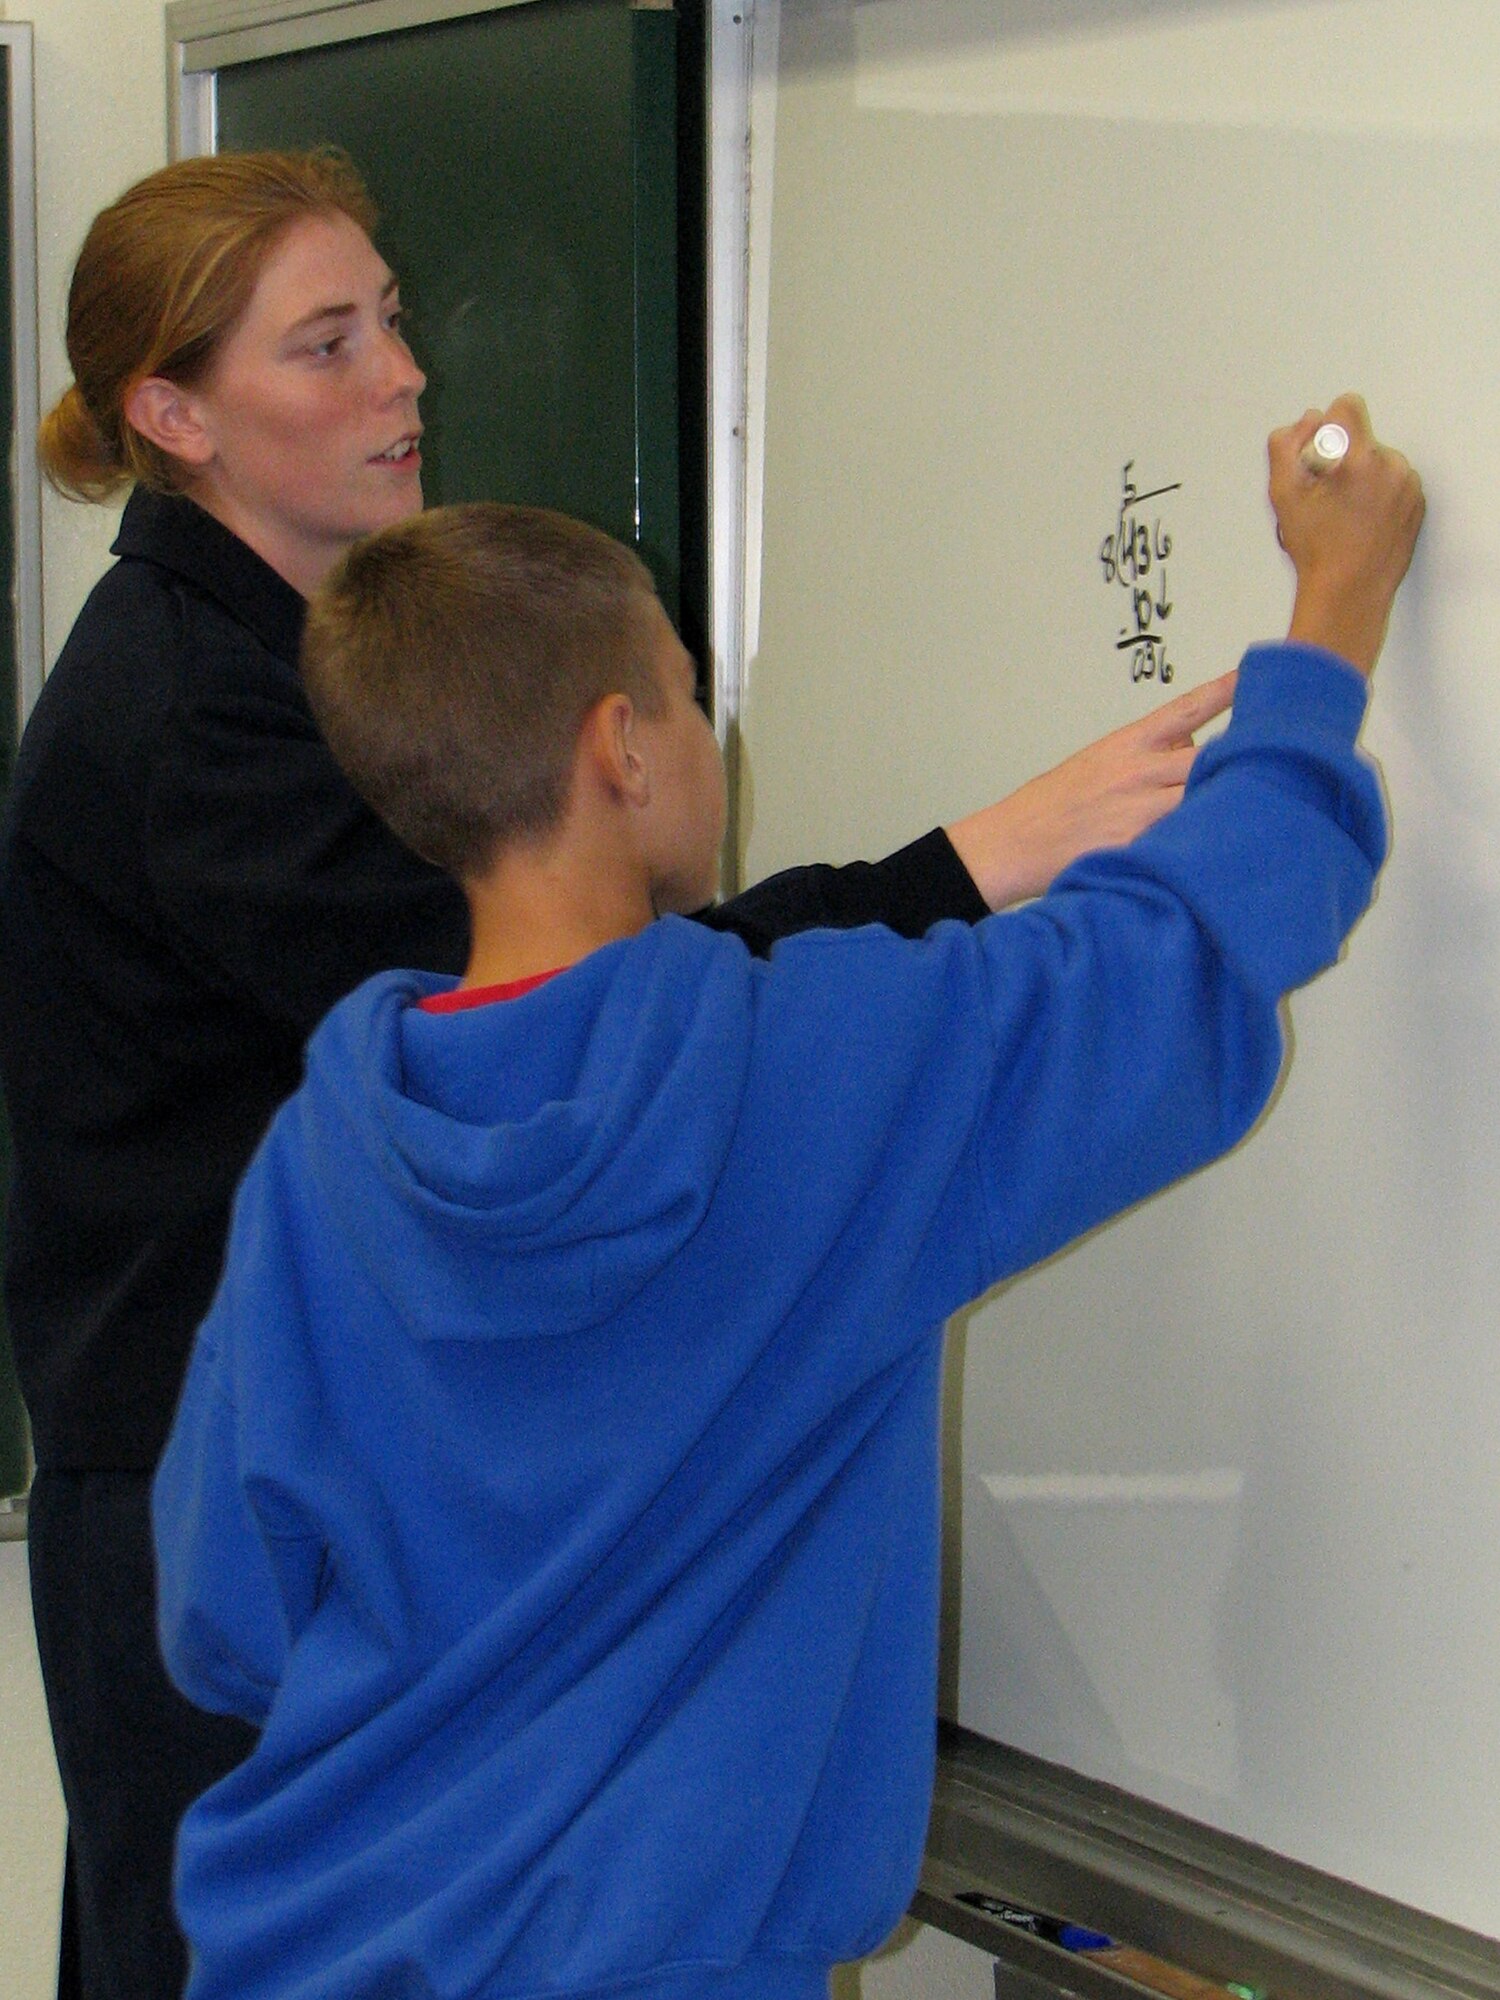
(554, 1151)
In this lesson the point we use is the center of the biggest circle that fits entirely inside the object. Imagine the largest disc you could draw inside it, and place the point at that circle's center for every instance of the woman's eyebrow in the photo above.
(339, 311)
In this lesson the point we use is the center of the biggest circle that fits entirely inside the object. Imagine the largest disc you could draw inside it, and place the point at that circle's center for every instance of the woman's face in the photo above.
(308, 416)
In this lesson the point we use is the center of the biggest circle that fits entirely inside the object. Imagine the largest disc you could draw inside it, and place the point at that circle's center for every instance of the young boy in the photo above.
(555, 1481)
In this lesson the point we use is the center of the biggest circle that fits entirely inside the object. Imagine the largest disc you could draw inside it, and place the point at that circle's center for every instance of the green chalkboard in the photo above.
(525, 163)
(15, 1453)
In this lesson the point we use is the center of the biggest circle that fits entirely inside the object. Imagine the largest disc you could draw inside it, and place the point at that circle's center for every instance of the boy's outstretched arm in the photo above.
(1135, 1006)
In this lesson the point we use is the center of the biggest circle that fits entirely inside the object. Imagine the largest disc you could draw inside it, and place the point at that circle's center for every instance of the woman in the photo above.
(189, 884)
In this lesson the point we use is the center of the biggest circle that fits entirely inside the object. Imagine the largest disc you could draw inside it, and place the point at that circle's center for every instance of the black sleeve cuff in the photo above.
(909, 891)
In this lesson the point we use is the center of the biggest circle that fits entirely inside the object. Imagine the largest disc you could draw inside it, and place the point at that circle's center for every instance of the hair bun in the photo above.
(75, 454)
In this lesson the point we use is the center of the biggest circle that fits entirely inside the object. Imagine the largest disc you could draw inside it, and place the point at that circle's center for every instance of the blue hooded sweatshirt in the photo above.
(555, 1481)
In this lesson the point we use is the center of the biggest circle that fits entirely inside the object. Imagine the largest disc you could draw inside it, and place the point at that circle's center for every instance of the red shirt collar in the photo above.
(462, 997)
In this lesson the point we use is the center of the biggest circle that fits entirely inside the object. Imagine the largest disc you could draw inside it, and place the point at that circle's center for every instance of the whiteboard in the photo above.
(1226, 1494)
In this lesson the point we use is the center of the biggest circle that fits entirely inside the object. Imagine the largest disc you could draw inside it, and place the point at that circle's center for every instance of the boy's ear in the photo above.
(167, 416)
(611, 737)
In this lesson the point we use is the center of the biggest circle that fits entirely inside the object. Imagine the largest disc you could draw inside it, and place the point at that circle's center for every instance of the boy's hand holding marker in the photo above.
(1349, 524)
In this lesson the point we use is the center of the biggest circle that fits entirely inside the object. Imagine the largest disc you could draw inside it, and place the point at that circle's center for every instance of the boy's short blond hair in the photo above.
(451, 660)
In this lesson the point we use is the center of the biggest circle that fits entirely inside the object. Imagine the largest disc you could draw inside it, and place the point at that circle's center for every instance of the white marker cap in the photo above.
(1325, 448)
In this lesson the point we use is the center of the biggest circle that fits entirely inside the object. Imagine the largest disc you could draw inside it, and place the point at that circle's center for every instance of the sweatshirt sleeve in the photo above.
(918, 886)
(229, 1596)
(1134, 1008)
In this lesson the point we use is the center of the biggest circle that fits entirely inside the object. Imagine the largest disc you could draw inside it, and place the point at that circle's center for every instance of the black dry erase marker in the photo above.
(1051, 1930)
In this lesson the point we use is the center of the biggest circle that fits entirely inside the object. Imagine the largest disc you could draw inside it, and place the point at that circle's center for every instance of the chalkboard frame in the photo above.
(24, 554)
(205, 36)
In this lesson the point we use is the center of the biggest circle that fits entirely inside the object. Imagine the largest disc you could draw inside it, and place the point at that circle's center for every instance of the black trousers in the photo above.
(132, 1754)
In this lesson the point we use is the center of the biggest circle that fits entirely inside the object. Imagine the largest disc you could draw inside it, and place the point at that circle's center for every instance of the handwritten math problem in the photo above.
(1134, 557)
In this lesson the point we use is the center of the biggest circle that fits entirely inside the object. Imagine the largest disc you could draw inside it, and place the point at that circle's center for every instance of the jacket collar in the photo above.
(177, 535)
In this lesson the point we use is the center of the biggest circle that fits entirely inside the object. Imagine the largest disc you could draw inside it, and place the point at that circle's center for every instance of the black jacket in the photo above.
(189, 883)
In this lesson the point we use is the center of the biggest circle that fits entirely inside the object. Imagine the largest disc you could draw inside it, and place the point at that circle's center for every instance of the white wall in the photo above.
(100, 124)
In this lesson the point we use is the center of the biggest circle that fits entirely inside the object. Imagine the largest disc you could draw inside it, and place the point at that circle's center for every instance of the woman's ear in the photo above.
(167, 416)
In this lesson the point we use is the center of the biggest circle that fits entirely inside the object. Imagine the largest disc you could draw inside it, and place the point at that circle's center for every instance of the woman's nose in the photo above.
(404, 377)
